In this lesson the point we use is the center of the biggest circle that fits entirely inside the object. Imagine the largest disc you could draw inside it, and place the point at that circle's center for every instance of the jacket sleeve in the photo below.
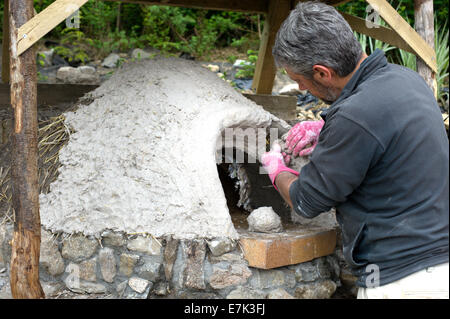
(338, 165)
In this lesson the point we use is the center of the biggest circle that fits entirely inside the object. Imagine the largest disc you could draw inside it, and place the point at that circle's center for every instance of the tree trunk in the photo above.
(424, 25)
(24, 275)
(119, 7)
(5, 44)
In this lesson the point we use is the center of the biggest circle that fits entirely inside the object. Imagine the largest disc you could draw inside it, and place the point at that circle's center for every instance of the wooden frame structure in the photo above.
(400, 34)
(22, 28)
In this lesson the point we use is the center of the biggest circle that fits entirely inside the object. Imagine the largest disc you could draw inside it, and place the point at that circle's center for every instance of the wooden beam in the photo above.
(24, 274)
(5, 43)
(424, 25)
(265, 69)
(45, 21)
(404, 30)
(282, 106)
(333, 3)
(55, 95)
(256, 6)
(378, 32)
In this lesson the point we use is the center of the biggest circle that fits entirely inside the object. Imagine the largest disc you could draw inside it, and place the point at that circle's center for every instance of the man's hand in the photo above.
(273, 163)
(301, 135)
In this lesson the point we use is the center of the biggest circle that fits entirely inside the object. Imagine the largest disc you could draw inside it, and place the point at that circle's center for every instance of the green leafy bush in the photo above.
(196, 32)
(75, 47)
(248, 68)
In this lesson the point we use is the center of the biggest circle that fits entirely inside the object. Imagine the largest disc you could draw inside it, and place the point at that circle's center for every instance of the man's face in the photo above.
(328, 94)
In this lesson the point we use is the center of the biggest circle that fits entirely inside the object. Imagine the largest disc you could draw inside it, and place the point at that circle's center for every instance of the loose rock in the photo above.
(170, 255)
(107, 264)
(141, 54)
(234, 274)
(78, 247)
(5, 291)
(220, 246)
(111, 61)
(193, 274)
(50, 257)
(271, 278)
(264, 220)
(150, 270)
(113, 239)
(85, 287)
(212, 67)
(80, 75)
(138, 284)
(228, 257)
(317, 290)
(127, 264)
(290, 89)
(305, 272)
(88, 269)
(51, 288)
(161, 289)
(121, 288)
(146, 245)
(279, 293)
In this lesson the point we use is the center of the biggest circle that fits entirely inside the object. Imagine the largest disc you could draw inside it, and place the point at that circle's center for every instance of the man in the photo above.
(381, 159)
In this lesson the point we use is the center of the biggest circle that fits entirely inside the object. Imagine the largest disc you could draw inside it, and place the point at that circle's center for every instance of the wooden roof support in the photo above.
(424, 25)
(5, 43)
(24, 274)
(45, 21)
(378, 32)
(265, 69)
(405, 31)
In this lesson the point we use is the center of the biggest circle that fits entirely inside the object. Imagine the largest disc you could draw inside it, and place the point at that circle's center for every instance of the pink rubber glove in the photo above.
(302, 134)
(273, 163)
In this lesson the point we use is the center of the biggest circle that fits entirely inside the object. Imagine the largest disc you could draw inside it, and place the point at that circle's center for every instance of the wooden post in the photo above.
(424, 25)
(265, 70)
(24, 274)
(5, 43)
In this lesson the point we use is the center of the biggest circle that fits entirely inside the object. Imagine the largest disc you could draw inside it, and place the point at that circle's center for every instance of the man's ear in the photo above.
(322, 74)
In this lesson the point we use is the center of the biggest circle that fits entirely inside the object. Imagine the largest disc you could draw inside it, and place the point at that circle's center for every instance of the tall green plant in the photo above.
(369, 45)
(441, 35)
(441, 46)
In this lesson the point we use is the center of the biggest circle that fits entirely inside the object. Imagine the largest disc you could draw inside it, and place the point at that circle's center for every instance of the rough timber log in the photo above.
(424, 25)
(24, 275)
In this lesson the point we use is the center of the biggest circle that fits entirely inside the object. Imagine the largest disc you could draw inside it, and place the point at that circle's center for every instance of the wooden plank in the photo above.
(333, 3)
(50, 94)
(282, 106)
(45, 21)
(5, 43)
(293, 246)
(424, 25)
(25, 250)
(265, 66)
(404, 30)
(256, 6)
(378, 32)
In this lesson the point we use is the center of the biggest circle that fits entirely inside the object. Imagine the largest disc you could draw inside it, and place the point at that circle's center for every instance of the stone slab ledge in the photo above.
(272, 250)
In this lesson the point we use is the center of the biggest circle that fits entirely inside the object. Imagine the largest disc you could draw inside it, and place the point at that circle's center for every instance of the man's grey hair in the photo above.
(315, 33)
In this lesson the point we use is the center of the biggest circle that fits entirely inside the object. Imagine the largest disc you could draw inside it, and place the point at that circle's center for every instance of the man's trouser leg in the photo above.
(429, 283)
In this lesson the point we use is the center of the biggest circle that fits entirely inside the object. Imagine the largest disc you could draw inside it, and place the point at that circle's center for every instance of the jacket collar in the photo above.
(371, 64)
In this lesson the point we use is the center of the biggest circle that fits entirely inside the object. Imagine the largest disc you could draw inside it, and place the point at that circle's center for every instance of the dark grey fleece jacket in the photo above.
(383, 161)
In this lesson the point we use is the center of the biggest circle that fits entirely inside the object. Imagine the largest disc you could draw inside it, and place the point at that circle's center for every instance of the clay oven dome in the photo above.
(143, 156)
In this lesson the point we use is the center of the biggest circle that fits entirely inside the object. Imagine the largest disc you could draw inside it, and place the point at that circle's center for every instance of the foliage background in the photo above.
(120, 26)
(107, 27)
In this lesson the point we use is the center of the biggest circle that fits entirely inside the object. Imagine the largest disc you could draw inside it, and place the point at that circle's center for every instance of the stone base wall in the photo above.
(140, 266)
